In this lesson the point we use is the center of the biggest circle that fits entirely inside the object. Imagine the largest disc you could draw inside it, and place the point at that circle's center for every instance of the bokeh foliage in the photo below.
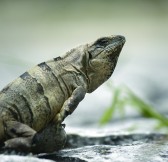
(124, 97)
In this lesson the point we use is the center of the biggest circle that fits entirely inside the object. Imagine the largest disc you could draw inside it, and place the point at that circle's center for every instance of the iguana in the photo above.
(33, 107)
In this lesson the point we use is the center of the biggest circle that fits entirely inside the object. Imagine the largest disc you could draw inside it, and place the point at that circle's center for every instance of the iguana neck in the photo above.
(78, 59)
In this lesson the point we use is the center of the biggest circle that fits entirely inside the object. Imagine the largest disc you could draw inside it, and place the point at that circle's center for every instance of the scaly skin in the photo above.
(33, 106)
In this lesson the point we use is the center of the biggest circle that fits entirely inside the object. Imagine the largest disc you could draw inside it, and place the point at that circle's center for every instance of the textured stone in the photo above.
(17, 158)
(116, 148)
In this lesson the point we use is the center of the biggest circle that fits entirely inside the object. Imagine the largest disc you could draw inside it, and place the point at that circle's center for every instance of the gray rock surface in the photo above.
(116, 148)
(17, 158)
(109, 143)
(128, 140)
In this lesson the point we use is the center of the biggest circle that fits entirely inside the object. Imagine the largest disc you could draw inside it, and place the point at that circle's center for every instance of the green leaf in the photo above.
(120, 101)
(107, 116)
(145, 109)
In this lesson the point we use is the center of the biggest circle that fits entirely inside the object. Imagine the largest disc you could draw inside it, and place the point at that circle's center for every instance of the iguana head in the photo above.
(97, 60)
(102, 59)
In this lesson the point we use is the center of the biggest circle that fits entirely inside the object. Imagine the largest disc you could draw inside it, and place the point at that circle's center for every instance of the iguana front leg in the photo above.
(70, 104)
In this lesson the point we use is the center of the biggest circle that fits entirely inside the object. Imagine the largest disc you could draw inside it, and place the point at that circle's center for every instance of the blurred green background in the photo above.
(33, 31)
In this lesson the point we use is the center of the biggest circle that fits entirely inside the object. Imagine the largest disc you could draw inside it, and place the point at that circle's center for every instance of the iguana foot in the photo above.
(19, 136)
(20, 144)
(23, 138)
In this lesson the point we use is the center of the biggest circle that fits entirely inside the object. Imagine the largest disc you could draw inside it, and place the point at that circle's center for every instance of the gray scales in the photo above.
(33, 107)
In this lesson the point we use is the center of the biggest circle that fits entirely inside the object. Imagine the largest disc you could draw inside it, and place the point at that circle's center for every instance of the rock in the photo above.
(17, 158)
(116, 148)
(115, 142)
(144, 147)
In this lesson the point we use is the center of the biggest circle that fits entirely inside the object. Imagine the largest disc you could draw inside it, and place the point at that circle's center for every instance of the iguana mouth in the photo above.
(115, 47)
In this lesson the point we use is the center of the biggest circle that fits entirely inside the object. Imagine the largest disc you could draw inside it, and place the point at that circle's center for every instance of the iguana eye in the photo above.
(102, 42)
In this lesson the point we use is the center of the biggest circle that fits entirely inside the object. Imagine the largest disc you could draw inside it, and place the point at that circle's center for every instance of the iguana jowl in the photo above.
(33, 106)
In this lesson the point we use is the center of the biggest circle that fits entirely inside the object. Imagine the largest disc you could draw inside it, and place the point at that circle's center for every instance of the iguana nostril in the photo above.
(121, 38)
